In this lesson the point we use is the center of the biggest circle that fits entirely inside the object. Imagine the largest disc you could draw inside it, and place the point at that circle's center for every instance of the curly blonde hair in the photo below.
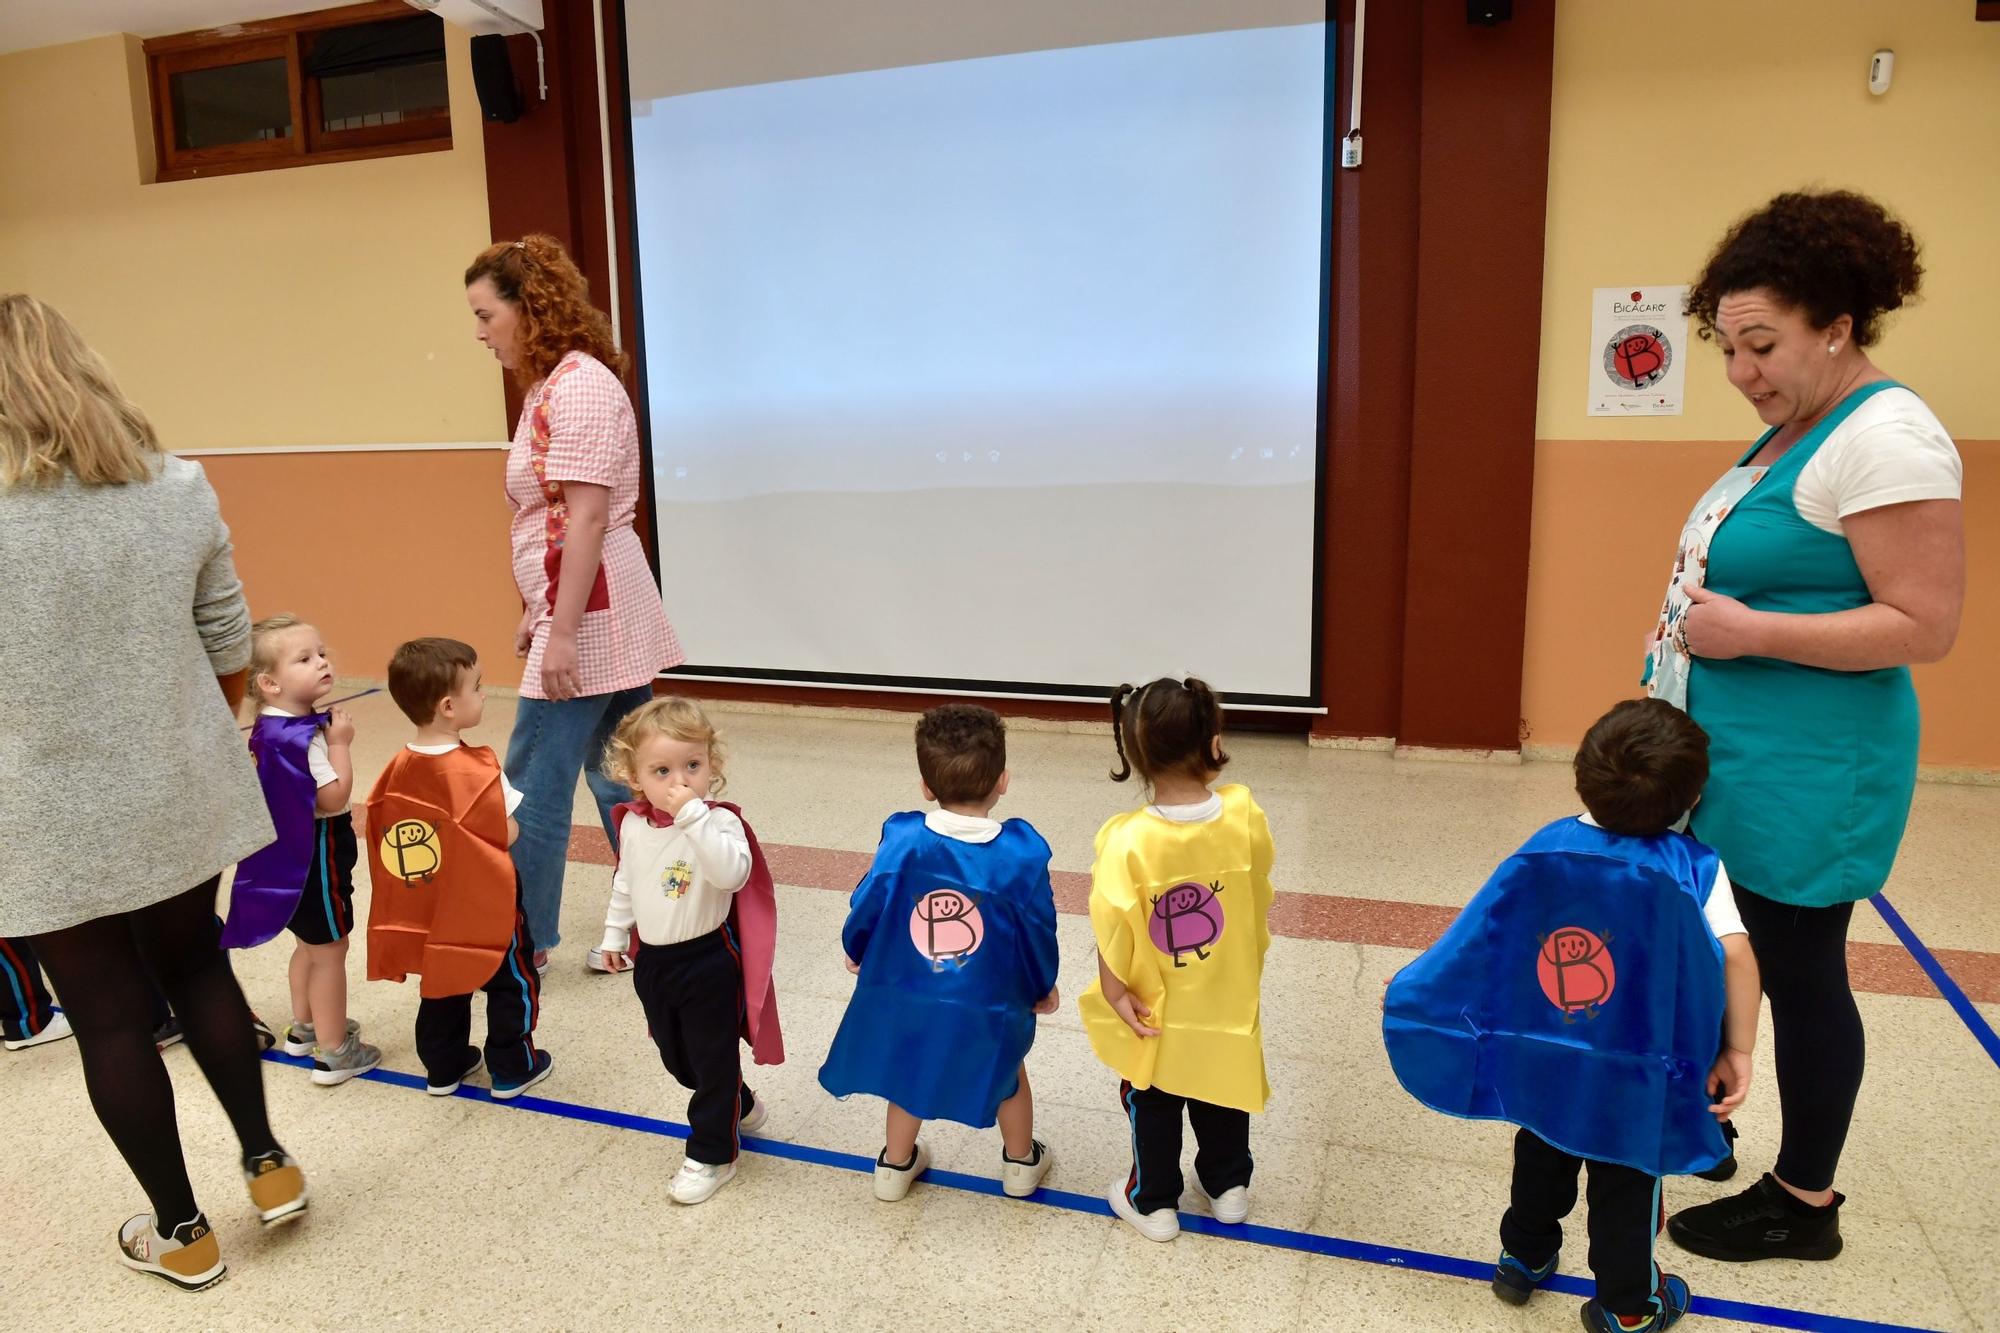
(673, 716)
(536, 276)
(61, 413)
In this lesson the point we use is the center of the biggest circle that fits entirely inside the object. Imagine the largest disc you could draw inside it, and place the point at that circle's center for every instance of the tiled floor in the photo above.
(551, 1215)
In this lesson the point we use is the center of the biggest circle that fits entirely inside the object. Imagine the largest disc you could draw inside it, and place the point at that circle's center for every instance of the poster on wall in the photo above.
(1638, 346)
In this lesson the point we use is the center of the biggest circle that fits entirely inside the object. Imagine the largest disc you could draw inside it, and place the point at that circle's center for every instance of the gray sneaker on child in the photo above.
(351, 1059)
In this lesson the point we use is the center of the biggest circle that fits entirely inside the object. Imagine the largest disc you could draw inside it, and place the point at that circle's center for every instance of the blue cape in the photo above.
(957, 943)
(1578, 995)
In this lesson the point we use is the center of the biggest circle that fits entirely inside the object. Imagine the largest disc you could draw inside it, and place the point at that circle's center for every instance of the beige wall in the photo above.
(1664, 133)
(316, 305)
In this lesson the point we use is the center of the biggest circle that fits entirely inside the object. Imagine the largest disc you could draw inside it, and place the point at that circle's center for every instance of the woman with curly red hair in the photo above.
(592, 627)
(1809, 579)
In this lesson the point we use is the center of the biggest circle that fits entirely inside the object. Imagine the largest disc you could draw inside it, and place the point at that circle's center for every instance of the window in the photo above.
(365, 80)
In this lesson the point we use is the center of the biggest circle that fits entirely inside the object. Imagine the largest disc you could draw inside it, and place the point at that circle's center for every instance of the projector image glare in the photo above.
(505, 17)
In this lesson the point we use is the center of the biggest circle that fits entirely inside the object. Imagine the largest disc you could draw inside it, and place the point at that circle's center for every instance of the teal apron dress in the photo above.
(1811, 771)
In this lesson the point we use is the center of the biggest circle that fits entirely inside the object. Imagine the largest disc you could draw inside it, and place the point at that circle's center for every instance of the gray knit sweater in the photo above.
(123, 778)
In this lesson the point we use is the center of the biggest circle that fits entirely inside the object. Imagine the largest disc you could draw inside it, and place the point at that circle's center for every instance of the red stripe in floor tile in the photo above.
(1879, 969)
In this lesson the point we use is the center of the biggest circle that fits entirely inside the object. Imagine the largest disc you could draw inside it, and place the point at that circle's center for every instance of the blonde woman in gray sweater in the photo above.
(125, 790)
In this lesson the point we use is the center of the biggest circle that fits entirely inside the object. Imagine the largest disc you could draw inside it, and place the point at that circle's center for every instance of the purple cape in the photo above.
(269, 882)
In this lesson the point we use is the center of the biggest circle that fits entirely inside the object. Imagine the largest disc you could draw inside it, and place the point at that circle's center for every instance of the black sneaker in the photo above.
(266, 1038)
(1766, 1221)
(468, 1066)
(1673, 1298)
(1725, 1168)
(1514, 1281)
(168, 1033)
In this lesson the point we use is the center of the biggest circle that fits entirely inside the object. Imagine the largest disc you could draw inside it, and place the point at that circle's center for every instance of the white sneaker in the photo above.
(1231, 1206)
(1162, 1225)
(697, 1182)
(892, 1183)
(1020, 1179)
(753, 1122)
(57, 1028)
(541, 962)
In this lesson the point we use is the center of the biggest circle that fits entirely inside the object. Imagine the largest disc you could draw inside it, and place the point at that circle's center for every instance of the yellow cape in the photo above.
(1181, 916)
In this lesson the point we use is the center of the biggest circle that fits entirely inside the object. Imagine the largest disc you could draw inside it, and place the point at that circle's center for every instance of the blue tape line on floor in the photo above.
(331, 702)
(1305, 1242)
(1954, 994)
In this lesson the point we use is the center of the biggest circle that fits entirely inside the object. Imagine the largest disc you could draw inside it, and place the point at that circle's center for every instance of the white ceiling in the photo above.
(30, 23)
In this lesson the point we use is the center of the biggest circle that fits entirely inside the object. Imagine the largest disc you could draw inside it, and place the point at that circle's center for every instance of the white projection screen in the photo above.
(983, 344)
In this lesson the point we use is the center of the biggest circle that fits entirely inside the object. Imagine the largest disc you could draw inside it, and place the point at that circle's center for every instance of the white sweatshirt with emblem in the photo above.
(676, 883)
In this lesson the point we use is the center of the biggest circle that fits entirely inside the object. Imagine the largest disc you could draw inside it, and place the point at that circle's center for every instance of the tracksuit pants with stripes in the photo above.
(692, 993)
(25, 1005)
(513, 1007)
(1222, 1138)
(1623, 1218)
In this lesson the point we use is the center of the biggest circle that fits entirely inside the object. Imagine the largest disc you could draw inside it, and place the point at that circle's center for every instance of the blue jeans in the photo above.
(552, 742)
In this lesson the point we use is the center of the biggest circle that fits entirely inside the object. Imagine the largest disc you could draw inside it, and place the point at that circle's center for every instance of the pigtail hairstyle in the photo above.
(1166, 726)
(1118, 697)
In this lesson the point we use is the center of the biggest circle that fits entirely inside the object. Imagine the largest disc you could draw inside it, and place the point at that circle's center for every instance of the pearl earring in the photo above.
(1831, 348)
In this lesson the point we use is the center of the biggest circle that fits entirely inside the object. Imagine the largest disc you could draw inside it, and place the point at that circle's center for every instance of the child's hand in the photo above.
(524, 633)
(1132, 1011)
(678, 795)
(615, 960)
(1051, 1002)
(1730, 1076)
(853, 967)
(340, 729)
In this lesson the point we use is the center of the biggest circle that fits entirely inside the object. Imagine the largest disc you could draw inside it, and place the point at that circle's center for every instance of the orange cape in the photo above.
(444, 902)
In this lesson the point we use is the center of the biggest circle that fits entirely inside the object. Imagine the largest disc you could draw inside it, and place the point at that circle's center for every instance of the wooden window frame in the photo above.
(289, 39)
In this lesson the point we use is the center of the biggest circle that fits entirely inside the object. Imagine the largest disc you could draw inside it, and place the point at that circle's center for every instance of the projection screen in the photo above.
(982, 346)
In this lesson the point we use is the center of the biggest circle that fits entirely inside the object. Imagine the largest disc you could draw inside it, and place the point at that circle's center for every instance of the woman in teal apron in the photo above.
(1791, 645)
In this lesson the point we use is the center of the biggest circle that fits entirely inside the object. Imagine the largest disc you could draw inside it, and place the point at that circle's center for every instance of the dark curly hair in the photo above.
(537, 277)
(1826, 253)
(961, 752)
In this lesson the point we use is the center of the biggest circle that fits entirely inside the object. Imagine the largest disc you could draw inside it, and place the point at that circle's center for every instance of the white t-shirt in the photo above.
(317, 762)
(1720, 909)
(1199, 812)
(1890, 450)
(974, 829)
(507, 789)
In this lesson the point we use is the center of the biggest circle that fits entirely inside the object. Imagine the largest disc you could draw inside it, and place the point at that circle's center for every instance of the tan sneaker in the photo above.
(189, 1258)
(277, 1187)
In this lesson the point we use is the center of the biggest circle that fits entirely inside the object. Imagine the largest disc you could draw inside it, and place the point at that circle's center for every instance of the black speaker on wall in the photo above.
(493, 78)
(1487, 13)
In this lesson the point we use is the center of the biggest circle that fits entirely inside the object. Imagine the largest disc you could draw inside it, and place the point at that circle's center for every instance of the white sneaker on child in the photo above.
(1231, 1206)
(753, 1122)
(1162, 1225)
(697, 1182)
(892, 1183)
(1020, 1179)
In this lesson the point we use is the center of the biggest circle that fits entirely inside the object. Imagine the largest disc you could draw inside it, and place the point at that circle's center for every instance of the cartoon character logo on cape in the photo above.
(411, 851)
(946, 927)
(1186, 919)
(1575, 969)
(674, 880)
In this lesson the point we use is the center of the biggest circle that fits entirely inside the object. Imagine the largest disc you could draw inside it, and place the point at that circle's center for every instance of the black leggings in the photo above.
(1815, 1030)
(100, 970)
